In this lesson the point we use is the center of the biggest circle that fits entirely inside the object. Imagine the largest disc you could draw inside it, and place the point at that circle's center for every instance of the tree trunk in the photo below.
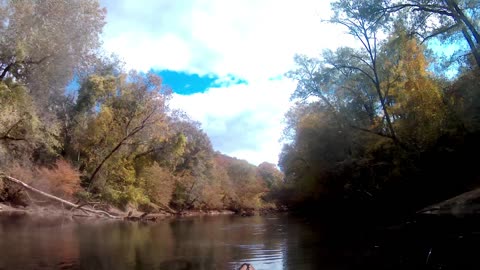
(459, 15)
(461, 18)
(475, 51)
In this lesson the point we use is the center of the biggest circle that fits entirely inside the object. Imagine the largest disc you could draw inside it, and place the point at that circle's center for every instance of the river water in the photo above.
(209, 242)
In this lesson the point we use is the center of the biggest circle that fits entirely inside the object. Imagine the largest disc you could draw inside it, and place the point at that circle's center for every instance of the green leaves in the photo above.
(117, 130)
(21, 130)
(116, 119)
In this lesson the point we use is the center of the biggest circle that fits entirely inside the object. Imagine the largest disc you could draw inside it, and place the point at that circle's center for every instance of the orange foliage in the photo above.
(158, 184)
(61, 180)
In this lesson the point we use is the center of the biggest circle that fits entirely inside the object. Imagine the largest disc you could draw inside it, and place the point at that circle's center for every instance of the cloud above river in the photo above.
(251, 41)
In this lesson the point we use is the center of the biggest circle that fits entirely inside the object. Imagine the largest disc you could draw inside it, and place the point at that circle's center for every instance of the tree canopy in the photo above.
(374, 127)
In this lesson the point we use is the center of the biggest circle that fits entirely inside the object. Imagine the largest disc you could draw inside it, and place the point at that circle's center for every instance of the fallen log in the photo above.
(57, 199)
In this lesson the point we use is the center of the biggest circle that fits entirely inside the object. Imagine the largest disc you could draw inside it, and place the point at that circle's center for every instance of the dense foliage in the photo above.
(113, 139)
(375, 130)
(386, 125)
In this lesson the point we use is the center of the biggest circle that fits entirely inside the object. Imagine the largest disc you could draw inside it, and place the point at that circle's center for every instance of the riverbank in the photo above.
(52, 211)
(17, 200)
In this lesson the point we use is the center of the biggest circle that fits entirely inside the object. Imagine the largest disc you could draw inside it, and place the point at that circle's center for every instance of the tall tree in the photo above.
(44, 42)
(193, 163)
(116, 118)
(365, 26)
(432, 18)
(21, 130)
(416, 101)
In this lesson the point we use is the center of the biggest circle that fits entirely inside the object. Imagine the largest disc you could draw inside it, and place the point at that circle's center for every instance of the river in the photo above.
(208, 242)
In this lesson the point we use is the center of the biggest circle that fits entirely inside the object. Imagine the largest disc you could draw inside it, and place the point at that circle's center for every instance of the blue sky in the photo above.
(184, 83)
(224, 60)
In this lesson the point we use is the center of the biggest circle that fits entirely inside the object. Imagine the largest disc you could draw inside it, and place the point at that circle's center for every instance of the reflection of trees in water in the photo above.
(191, 243)
(221, 242)
(35, 242)
(125, 245)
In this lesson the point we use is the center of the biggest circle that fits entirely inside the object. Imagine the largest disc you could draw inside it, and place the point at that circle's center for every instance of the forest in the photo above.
(76, 124)
(389, 125)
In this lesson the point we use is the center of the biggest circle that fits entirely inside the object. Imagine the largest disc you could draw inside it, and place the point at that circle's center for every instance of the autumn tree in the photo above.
(315, 151)
(44, 42)
(193, 163)
(432, 18)
(62, 179)
(349, 79)
(221, 191)
(22, 131)
(116, 118)
(376, 112)
(416, 100)
(114, 138)
(366, 28)
(269, 173)
(158, 183)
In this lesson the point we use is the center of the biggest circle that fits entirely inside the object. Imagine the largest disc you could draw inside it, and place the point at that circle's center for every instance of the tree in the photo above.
(116, 118)
(44, 42)
(158, 183)
(270, 174)
(193, 163)
(376, 112)
(248, 187)
(316, 149)
(21, 130)
(365, 26)
(348, 80)
(416, 100)
(432, 18)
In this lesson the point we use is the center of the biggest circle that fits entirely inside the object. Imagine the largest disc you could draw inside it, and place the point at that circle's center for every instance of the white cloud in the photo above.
(251, 39)
(167, 49)
(245, 121)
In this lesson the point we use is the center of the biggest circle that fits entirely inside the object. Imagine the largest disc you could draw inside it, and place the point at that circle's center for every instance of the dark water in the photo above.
(222, 242)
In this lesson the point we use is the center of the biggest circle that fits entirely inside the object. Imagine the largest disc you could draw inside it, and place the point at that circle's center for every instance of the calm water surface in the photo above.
(222, 242)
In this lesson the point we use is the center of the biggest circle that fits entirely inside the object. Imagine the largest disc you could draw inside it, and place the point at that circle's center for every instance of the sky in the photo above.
(224, 60)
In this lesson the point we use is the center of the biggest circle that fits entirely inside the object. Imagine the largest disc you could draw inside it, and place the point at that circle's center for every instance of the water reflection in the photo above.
(279, 242)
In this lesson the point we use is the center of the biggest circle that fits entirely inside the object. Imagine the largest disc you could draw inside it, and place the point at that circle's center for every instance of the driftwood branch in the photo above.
(57, 199)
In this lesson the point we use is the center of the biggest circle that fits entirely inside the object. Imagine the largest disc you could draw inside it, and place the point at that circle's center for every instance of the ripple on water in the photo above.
(261, 257)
